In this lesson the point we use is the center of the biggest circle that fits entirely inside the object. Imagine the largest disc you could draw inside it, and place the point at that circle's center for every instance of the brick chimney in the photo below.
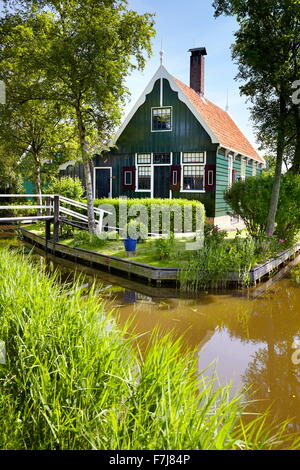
(197, 69)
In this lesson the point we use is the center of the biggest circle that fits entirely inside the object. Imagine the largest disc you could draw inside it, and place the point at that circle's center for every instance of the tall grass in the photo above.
(72, 379)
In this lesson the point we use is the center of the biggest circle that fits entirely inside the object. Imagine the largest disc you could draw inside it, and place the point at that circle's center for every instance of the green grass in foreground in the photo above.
(72, 379)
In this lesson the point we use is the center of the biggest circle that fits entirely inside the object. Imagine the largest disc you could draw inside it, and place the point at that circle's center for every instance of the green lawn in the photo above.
(146, 251)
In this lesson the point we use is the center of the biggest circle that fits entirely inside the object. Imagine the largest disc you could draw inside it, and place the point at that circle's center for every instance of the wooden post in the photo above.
(56, 220)
(48, 204)
(47, 233)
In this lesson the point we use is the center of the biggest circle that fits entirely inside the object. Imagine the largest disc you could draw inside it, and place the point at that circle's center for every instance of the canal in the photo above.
(247, 337)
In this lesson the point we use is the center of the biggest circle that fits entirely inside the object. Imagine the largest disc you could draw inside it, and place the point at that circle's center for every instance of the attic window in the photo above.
(161, 119)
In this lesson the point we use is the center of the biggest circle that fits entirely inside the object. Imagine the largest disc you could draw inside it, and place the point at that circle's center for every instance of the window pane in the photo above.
(144, 177)
(193, 157)
(162, 158)
(193, 177)
(161, 119)
(210, 177)
(144, 158)
(128, 178)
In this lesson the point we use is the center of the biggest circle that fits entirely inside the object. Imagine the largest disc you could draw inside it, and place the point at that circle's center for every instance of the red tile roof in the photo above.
(221, 124)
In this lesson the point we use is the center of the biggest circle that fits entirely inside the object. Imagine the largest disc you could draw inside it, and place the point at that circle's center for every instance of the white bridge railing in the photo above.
(52, 209)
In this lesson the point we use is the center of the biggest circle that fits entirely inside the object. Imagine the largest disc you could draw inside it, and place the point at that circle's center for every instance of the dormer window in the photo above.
(162, 119)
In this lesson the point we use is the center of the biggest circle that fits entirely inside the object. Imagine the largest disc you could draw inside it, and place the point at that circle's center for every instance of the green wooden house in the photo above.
(175, 143)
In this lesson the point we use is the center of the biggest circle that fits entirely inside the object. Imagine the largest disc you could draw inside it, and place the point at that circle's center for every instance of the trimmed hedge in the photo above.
(196, 207)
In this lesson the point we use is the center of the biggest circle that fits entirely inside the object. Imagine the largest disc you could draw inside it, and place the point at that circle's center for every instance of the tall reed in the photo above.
(72, 379)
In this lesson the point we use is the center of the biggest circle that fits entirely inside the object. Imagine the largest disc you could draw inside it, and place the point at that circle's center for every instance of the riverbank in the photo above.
(72, 380)
(151, 273)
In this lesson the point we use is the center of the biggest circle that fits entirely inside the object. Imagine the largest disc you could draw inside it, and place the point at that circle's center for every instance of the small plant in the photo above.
(164, 247)
(83, 238)
(137, 230)
(213, 234)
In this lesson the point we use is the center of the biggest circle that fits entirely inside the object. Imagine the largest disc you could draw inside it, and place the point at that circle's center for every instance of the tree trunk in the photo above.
(279, 160)
(87, 171)
(296, 162)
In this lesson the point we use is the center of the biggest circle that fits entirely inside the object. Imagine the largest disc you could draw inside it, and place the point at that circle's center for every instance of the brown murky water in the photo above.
(251, 341)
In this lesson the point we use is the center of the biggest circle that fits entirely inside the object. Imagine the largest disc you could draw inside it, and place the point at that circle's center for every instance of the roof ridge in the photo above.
(224, 126)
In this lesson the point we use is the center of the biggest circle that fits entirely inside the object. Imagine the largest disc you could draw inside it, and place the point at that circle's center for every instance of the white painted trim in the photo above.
(162, 130)
(151, 165)
(192, 164)
(130, 172)
(161, 97)
(110, 178)
(64, 166)
(160, 74)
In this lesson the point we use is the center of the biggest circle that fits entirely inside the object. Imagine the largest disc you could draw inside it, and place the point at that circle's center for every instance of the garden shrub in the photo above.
(197, 208)
(250, 199)
(137, 230)
(67, 187)
(164, 247)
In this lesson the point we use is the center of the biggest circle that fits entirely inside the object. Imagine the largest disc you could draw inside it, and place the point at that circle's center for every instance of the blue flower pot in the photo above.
(130, 244)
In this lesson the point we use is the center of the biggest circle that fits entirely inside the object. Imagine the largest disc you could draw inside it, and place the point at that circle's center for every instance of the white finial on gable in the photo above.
(161, 53)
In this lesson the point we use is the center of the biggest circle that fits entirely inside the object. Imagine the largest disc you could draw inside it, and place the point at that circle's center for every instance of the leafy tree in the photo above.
(85, 59)
(34, 132)
(267, 50)
(251, 199)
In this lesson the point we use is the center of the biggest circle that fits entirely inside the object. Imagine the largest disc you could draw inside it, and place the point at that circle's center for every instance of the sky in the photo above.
(182, 25)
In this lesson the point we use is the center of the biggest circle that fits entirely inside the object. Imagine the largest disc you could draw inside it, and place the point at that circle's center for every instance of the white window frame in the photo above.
(194, 191)
(152, 165)
(254, 168)
(162, 130)
(125, 172)
(243, 167)
(175, 180)
(230, 169)
(110, 179)
(210, 173)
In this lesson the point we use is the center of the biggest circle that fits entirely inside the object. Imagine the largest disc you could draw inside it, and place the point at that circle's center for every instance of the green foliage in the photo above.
(73, 381)
(214, 265)
(196, 207)
(212, 233)
(250, 199)
(68, 187)
(164, 247)
(137, 230)
(83, 238)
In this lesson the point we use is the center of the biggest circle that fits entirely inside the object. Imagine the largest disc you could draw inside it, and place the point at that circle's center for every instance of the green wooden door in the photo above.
(162, 182)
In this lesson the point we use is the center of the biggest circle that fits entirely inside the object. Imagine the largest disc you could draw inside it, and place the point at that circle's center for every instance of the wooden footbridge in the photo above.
(53, 209)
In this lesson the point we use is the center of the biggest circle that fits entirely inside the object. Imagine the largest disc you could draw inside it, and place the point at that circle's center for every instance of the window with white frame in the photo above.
(243, 169)
(253, 168)
(193, 178)
(210, 177)
(230, 169)
(144, 178)
(193, 157)
(143, 158)
(161, 119)
(128, 178)
(193, 171)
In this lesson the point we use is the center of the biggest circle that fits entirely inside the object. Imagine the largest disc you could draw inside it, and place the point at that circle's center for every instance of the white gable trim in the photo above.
(160, 74)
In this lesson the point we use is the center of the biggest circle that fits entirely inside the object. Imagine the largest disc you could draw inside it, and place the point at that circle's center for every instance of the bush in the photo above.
(84, 238)
(197, 208)
(67, 187)
(137, 230)
(213, 234)
(164, 247)
(250, 199)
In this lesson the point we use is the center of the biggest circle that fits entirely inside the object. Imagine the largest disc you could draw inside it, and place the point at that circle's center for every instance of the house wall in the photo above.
(187, 135)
